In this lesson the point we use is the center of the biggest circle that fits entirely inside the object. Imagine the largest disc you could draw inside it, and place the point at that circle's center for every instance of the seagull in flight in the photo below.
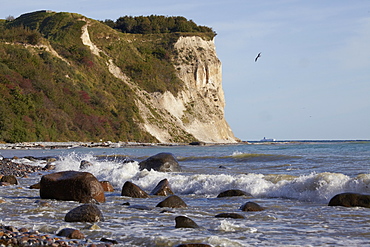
(258, 56)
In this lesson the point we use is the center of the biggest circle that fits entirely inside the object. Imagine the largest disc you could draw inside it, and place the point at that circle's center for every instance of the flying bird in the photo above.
(258, 56)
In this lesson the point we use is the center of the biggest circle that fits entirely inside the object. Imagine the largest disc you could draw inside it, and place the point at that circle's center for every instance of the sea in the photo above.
(292, 181)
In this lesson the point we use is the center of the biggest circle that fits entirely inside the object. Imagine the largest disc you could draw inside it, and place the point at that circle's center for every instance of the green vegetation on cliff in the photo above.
(72, 96)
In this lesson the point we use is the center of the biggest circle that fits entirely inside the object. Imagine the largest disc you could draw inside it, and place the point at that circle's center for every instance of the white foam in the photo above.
(316, 187)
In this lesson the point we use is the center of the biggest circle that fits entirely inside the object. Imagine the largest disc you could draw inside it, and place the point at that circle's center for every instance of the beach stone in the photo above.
(84, 213)
(235, 192)
(85, 164)
(172, 201)
(350, 200)
(251, 206)
(132, 190)
(230, 215)
(162, 162)
(185, 222)
(107, 187)
(71, 233)
(10, 179)
(71, 186)
(162, 189)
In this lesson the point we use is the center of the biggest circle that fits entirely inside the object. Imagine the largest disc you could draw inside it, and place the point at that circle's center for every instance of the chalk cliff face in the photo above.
(197, 110)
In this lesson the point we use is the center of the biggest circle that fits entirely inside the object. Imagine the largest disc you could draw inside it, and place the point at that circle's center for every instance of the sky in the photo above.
(312, 81)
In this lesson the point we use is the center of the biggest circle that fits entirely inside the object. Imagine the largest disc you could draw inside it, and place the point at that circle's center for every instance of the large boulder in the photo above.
(235, 192)
(132, 190)
(172, 202)
(84, 213)
(162, 162)
(71, 186)
(162, 189)
(350, 200)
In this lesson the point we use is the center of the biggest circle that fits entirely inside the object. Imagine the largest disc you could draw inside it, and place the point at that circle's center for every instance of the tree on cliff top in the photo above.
(157, 24)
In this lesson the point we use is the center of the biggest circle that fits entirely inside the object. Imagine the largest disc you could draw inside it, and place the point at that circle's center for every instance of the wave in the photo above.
(314, 187)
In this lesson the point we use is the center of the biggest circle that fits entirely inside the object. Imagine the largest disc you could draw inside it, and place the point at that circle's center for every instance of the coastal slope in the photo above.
(66, 77)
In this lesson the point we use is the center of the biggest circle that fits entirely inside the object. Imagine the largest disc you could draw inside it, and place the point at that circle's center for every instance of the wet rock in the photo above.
(112, 241)
(251, 206)
(230, 193)
(71, 233)
(71, 186)
(85, 164)
(107, 187)
(185, 222)
(162, 189)
(35, 186)
(350, 200)
(162, 162)
(84, 213)
(132, 190)
(172, 202)
(10, 179)
(230, 215)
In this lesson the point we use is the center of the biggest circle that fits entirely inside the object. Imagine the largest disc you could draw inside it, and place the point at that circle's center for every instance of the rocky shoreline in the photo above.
(108, 144)
(11, 236)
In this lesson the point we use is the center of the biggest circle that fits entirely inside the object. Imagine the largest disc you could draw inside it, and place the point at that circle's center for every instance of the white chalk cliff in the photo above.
(197, 110)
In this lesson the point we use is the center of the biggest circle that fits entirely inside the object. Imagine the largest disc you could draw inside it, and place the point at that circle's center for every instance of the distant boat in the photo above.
(267, 140)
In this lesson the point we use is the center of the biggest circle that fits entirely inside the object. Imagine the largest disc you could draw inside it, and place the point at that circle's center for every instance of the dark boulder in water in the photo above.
(229, 193)
(172, 202)
(185, 222)
(162, 162)
(71, 186)
(84, 213)
(132, 190)
(350, 200)
(162, 189)
(230, 215)
(251, 206)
